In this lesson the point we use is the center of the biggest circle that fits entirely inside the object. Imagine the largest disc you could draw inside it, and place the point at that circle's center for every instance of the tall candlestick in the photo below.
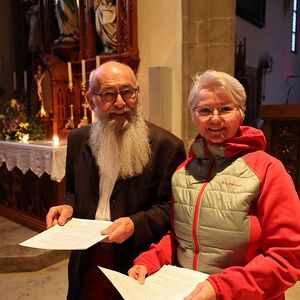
(83, 71)
(93, 116)
(25, 82)
(14, 81)
(70, 73)
(97, 61)
(70, 124)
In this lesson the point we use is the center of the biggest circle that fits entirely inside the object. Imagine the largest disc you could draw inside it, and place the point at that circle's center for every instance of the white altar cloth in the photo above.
(38, 156)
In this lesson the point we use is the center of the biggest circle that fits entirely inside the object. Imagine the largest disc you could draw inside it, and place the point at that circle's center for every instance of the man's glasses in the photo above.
(110, 96)
(224, 112)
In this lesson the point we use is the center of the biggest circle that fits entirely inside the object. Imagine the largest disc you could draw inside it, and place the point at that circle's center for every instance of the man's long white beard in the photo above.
(122, 150)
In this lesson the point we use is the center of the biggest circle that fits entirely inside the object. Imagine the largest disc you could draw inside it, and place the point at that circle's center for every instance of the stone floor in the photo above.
(27, 273)
(49, 283)
(33, 274)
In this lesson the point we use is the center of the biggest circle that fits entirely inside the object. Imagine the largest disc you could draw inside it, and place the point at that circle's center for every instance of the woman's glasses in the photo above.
(224, 112)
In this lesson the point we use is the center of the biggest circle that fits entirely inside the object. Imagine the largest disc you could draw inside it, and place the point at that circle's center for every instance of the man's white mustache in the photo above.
(119, 111)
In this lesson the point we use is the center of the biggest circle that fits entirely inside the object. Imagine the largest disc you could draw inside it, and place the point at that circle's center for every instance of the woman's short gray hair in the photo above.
(211, 80)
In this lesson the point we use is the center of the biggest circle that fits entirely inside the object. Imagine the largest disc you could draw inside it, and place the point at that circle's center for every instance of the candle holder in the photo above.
(42, 112)
(84, 120)
(70, 87)
(83, 89)
(70, 124)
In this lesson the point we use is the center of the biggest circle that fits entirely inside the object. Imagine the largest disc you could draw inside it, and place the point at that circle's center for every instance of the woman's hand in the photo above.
(138, 272)
(203, 291)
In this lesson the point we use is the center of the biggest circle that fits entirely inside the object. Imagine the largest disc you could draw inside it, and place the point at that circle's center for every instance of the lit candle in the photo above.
(25, 138)
(15, 81)
(97, 61)
(55, 141)
(70, 73)
(83, 71)
(25, 82)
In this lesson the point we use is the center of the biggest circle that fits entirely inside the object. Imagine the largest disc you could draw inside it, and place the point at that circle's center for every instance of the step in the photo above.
(16, 258)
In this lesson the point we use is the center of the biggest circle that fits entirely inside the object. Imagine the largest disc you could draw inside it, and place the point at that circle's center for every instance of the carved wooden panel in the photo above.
(26, 198)
(282, 130)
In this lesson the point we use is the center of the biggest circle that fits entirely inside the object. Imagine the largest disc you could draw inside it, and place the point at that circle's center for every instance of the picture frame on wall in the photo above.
(252, 10)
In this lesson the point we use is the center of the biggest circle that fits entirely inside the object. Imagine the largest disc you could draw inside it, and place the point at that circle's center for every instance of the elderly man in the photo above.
(118, 169)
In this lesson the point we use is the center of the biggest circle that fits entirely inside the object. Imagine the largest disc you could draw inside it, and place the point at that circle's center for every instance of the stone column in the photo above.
(208, 43)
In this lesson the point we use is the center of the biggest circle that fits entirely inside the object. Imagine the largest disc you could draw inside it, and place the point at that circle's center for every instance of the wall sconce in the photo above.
(266, 62)
(265, 66)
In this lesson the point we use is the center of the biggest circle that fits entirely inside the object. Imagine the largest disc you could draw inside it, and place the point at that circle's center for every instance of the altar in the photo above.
(31, 180)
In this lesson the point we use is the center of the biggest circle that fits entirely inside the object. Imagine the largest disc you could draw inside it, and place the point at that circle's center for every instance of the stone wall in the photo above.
(208, 43)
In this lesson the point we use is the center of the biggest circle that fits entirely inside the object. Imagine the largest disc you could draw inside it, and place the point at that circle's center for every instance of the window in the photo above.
(252, 10)
(294, 26)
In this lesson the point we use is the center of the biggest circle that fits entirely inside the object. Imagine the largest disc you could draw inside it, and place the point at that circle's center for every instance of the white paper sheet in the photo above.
(76, 234)
(169, 282)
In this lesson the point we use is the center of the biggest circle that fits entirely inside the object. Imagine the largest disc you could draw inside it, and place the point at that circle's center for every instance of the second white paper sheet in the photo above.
(169, 282)
(76, 234)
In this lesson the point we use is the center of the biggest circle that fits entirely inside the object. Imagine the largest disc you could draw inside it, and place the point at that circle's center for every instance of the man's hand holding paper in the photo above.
(59, 215)
(119, 231)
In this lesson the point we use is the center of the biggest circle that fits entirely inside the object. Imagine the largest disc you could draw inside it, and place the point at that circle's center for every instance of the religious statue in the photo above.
(39, 76)
(68, 21)
(33, 20)
(106, 23)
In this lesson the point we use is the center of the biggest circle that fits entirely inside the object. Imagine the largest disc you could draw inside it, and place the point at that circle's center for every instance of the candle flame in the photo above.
(55, 141)
(25, 138)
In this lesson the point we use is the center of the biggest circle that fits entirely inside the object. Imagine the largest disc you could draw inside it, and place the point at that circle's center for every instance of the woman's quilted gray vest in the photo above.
(211, 215)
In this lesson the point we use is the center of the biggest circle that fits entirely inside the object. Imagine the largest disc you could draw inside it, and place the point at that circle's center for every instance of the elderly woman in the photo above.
(235, 211)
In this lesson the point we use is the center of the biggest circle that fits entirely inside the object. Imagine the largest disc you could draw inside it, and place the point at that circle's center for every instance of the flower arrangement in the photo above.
(15, 124)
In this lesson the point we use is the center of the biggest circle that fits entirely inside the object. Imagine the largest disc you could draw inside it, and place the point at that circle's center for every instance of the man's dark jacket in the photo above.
(144, 198)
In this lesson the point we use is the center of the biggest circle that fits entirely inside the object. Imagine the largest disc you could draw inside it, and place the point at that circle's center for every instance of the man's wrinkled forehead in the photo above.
(115, 68)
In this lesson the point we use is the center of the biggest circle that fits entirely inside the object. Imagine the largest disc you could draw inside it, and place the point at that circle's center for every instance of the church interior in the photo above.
(44, 75)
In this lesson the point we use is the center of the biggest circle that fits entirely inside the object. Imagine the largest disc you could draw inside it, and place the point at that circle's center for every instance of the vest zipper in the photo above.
(197, 209)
